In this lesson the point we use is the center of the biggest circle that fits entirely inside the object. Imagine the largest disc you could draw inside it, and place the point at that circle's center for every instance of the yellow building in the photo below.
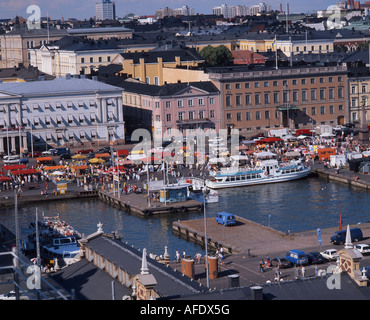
(149, 67)
(359, 95)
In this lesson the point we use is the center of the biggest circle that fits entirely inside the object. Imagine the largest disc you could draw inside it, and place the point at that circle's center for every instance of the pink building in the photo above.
(181, 106)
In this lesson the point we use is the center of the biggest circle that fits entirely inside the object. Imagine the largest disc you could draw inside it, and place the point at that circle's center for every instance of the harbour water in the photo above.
(289, 207)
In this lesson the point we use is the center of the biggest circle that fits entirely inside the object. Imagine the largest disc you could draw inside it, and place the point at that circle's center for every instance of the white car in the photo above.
(11, 159)
(47, 152)
(330, 254)
(363, 248)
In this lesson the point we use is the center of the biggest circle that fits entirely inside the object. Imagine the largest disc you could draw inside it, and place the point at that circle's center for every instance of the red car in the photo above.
(35, 154)
(86, 151)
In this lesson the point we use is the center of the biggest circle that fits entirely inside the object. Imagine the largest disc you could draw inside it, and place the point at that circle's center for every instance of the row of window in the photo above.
(275, 83)
(267, 114)
(191, 115)
(180, 103)
(100, 59)
(285, 97)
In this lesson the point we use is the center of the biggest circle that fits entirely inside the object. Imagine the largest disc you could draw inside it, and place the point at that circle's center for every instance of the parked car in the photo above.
(315, 257)
(47, 152)
(339, 237)
(11, 159)
(363, 248)
(297, 257)
(281, 262)
(330, 254)
(65, 156)
(102, 150)
(84, 151)
(35, 154)
(225, 218)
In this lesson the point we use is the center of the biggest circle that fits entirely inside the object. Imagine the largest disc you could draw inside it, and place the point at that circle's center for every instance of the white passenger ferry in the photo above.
(266, 171)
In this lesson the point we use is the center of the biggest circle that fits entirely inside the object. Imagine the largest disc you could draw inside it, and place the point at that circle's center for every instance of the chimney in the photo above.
(256, 293)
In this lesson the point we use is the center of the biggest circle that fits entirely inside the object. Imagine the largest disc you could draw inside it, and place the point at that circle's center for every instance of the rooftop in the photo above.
(57, 86)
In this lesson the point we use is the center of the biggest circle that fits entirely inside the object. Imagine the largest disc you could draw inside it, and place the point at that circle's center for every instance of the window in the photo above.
(267, 98)
(211, 100)
(100, 59)
(340, 92)
(181, 115)
(248, 116)
(340, 107)
(331, 109)
(238, 100)
(322, 80)
(237, 85)
(266, 84)
(157, 118)
(246, 85)
(156, 81)
(201, 114)
(331, 93)
(330, 79)
(304, 95)
(294, 82)
(238, 116)
(267, 114)
(353, 89)
(201, 102)
(285, 97)
(313, 111)
(248, 99)
(322, 94)
(258, 115)
(168, 117)
(228, 101)
(313, 94)
(228, 116)
(179, 103)
(227, 86)
(147, 80)
(304, 110)
(108, 59)
(191, 115)
(340, 79)
(82, 60)
(275, 83)
(303, 81)
(256, 84)
(276, 97)
(322, 110)
(168, 104)
(257, 98)
(91, 59)
(295, 96)
(212, 113)
(157, 105)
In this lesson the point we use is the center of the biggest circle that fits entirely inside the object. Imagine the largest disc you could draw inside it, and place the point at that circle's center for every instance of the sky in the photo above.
(84, 9)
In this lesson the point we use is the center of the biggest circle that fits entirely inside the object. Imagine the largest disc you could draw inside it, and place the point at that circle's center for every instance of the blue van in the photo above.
(225, 218)
(339, 237)
(297, 257)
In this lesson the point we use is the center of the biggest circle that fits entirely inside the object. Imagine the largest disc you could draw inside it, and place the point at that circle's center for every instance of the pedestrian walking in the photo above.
(178, 258)
(261, 265)
(303, 271)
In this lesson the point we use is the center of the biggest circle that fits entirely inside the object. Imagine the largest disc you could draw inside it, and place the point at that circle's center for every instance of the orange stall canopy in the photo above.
(43, 159)
(102, 155)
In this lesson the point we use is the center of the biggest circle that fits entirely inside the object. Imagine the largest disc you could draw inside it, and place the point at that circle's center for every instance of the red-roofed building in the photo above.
(247, 57)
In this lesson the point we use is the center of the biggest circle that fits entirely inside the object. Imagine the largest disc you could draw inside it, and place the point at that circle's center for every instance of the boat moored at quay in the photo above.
(265, 171)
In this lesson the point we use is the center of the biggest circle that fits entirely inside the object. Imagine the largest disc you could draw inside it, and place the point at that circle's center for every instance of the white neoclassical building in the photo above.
(62, 112)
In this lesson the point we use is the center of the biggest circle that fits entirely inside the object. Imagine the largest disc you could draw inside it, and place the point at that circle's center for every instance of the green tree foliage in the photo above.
(217, 56)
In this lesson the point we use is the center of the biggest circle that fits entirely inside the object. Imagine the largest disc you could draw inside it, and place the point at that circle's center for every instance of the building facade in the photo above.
(61, 112)
(73, 55)
(359, 96)
(105, 10)
(178, 106)
(259, 99)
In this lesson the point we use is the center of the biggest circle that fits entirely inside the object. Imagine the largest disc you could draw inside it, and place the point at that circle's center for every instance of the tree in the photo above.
(217, 56)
